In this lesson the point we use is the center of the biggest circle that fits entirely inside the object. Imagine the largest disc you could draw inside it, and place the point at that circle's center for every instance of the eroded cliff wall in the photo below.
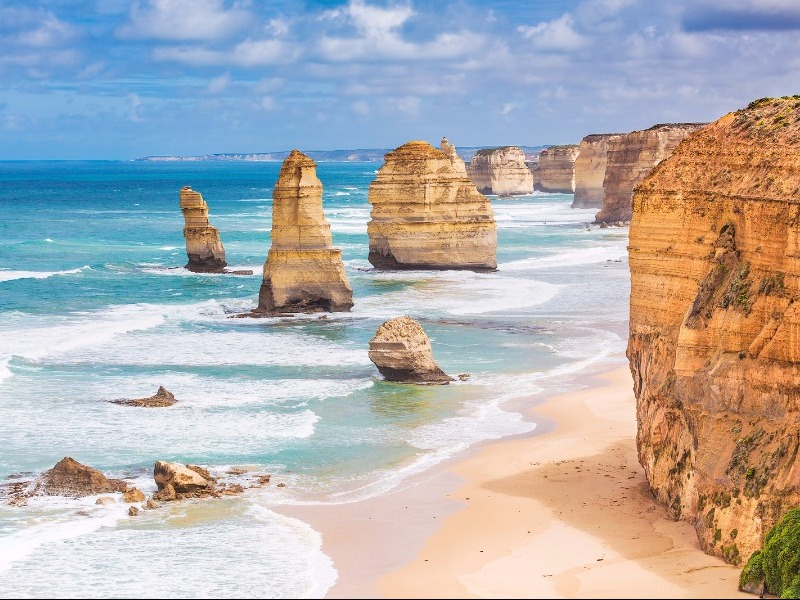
(427, 214)
(590, 170)
(630, 159)
(714, 344)
(556, 170)
(500, 171)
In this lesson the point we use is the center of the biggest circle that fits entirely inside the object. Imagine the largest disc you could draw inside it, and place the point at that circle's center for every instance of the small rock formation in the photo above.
(500, 171)
(427, 214)
(73, 479)
(714, 348)
(105, 500)
(163, 397)
(630, 158)
(590, 170)
(555, 172)
(133, 511)
(133, 495)
(402, 352)
(176, 481)
(455, 159)
(303, 271)
(203, 246)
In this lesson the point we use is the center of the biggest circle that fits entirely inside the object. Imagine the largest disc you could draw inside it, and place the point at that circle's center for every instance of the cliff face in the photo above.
(630, 159)
(303, 272)
(556, 170)
(500, 171)
(590, 170)
(203, 246)
(714, 342)
(427, 214)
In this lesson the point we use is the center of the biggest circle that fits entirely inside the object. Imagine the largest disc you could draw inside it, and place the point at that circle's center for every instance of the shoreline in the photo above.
(561, 512)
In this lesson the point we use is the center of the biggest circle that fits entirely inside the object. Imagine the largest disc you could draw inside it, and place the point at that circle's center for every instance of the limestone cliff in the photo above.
(714, 344)
(402, 352)
(203, 246)
(303, 271)
(556, 170)
(427, 214)
(501, 171)
(590, 170)
(630, 159)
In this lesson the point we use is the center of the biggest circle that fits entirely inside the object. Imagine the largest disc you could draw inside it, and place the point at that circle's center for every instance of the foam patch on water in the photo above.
(5, 372)
(570, 258)
(6, 275)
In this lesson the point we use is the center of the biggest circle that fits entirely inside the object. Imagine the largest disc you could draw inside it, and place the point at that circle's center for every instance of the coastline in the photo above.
(562, 512)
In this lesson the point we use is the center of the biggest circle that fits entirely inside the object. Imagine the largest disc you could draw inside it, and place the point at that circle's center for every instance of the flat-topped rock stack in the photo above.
(590, 170)
(555, 172)
(714, 319)
(427, 214)
(203, 245)
(630, 158)
(303, 271)
(501, 171)
(402, 352)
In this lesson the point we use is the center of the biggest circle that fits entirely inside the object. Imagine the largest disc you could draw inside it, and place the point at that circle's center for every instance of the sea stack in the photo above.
(427, 214)
(556, 170)
(501, 171)
(402, 352)
(303, 271)
(714, 319)
(203, 246)
(630, 159)
(590, 170)
(71, 478)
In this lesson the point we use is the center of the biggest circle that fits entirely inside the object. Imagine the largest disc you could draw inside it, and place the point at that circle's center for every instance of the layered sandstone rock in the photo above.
(76, 480)
(303, 271)
(714, 342)
(555, 172)
(427, 214)
(590, 170)
(630, 158)
(501, 171)
(203, 246)
(455, 159)
(177, 481)
(163, 397)
(402, 352)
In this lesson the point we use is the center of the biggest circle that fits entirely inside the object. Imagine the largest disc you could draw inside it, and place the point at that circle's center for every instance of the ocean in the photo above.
(95, 305)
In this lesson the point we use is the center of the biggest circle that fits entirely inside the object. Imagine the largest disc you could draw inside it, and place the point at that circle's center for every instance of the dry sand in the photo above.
(561, 514)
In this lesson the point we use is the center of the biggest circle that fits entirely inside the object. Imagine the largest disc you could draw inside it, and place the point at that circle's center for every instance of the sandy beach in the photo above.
(564, 512)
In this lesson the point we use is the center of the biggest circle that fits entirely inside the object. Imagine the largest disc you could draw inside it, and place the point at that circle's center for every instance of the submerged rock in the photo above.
(203, 245)
(402, 352)
(427, 214)
(303, 271)
(163, 397)
(71, 478)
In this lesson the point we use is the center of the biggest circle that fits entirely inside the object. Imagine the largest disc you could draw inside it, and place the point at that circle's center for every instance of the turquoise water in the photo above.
(95, 305)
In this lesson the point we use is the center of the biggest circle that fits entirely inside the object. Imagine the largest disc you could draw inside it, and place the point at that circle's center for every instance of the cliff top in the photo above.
(417, 149)
(675, 126)
(490, 151)
(593, 137)
(298, 159)
(765, 138)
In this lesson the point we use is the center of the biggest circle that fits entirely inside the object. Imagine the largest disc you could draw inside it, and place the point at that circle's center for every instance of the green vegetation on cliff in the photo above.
(776, 567)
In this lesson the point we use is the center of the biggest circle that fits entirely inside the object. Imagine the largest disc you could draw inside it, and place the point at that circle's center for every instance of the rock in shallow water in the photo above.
(163, 397)
(402, 352)
(71, 478)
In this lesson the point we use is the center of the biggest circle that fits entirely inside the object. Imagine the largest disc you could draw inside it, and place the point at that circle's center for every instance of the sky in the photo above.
(116, 79)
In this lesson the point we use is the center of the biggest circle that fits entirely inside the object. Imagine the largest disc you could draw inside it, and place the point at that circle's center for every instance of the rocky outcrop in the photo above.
(203, 246)
(402, 352)
(455, 159)
(76, 480)
(590, 170)
(303, 271)
(630, 158)
(163, 397)
(176, 481)
(714, 340)
(500, 171)
(427, 214)
(555, 172)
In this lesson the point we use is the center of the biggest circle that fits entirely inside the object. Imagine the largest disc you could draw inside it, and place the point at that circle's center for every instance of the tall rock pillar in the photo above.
(203, 246)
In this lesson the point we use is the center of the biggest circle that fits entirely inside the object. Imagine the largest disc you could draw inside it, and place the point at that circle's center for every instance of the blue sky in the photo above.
(114, 79)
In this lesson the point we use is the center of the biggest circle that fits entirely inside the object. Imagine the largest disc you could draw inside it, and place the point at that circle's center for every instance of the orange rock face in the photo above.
(630, 159)
(427, 214)
(714, 344)
(590, 170)
(556, 170)
(501, 171)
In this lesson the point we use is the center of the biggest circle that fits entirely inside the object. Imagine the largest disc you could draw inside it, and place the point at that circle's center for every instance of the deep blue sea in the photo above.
(95, 305)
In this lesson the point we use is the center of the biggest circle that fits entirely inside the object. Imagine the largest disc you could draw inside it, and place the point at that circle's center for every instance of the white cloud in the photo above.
(558, 34)
(185, 20)
(507, 108)
(134, 104)
(409, 104)
(219, 84)
(249, 53)
(361, 107)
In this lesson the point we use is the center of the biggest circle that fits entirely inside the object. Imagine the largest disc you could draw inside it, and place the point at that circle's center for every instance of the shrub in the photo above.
(777, 564)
